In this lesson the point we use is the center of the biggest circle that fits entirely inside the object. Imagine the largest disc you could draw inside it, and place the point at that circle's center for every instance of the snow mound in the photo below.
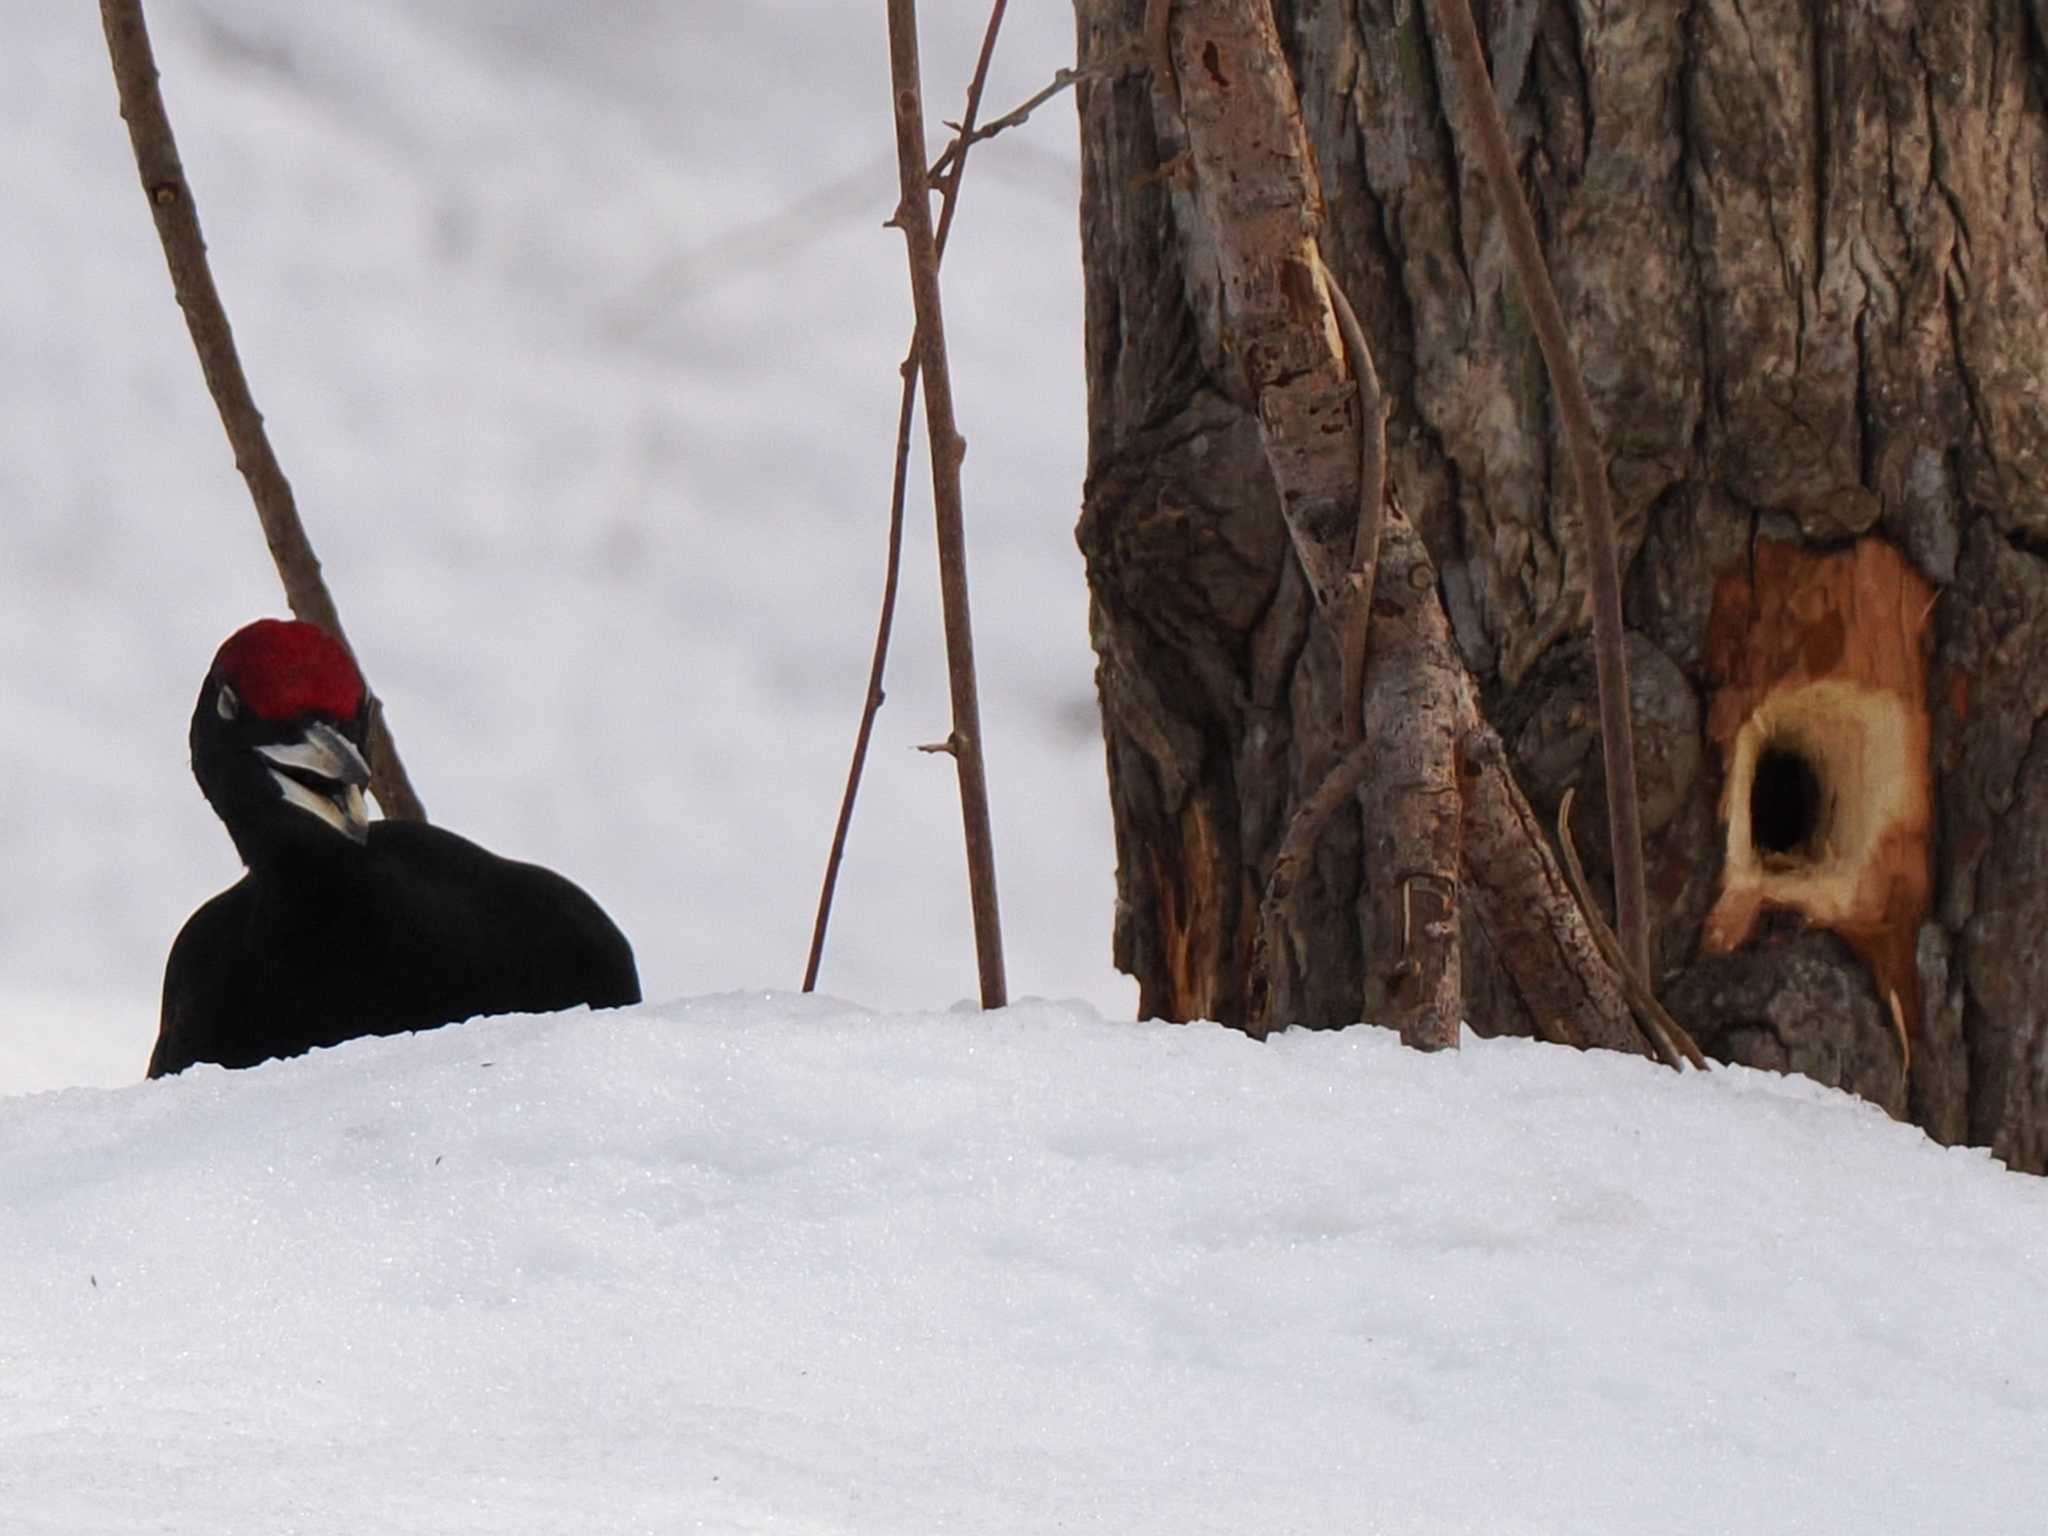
(759, 1262)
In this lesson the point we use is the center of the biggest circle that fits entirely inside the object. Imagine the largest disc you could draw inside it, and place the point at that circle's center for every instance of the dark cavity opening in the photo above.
(1784, 803)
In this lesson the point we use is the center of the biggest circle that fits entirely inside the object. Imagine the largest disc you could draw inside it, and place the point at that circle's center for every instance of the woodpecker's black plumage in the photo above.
(343, 926)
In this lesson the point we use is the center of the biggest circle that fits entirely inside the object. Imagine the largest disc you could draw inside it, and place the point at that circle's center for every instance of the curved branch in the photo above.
(177, 227)
(1486, 135)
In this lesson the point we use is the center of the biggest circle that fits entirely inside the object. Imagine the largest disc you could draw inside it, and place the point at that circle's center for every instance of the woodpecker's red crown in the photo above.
(281, 669)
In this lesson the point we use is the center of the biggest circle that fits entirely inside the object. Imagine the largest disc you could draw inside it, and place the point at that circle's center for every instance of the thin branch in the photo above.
(976, 84)
(872, 706)
(886, 622)
(1674, 1043)
(1486, 133)
(967, 135)
(913, 215)
(177, 227)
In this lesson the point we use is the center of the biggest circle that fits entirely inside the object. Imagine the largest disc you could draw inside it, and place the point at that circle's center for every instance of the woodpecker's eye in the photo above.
(225, 704)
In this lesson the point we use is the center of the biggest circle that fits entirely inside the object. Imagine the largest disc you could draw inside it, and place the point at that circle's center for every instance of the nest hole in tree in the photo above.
(1820, 718)
(1785, 804)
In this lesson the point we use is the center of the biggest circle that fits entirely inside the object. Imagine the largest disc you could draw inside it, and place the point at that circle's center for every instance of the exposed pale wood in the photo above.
(1821, 660)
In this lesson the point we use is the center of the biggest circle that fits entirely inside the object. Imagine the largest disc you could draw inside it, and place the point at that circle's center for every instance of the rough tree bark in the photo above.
(1800, 251)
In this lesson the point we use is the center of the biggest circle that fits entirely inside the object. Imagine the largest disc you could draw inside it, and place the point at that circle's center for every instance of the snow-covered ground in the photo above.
(766, 1264)
(576, 327)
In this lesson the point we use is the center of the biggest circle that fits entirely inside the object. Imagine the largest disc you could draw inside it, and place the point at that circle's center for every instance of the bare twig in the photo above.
(177, 227)
(1486, 134)
(947, 450)
(1674, 1043)
(967, 135)
(872, 706)
(886, 622)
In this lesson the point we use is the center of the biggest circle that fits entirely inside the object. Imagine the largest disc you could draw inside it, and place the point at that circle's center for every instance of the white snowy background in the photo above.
(577, 332)
(576, 328)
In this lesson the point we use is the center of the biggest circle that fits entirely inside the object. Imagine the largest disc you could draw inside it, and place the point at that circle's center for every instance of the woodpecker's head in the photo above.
(278, 740)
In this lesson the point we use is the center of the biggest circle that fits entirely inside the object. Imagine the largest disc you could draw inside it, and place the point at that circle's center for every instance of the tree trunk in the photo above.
(1800, 251)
